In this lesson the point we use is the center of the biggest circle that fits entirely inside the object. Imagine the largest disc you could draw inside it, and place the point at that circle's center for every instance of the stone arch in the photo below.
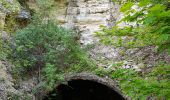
(87, 86)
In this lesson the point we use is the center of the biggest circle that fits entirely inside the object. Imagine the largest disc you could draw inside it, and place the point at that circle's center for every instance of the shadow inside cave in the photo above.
(84, 90)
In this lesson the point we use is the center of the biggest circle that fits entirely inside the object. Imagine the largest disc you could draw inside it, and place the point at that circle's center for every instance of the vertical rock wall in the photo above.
(85, 16)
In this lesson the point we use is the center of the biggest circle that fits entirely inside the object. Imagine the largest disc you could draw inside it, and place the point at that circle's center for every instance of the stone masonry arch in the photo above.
(86, 86)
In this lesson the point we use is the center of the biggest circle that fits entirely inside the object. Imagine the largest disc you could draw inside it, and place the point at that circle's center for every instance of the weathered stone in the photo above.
(88, 14)
(7, 87)
(92, 77)
(24, 14)
(2, 21)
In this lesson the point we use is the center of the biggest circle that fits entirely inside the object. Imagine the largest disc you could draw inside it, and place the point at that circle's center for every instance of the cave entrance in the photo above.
(85, 89)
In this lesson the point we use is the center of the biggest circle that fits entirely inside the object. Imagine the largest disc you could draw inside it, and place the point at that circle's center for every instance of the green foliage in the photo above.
(45, 4)
(1, 49)
(12, 96)
(101, 72)
(51, 76)
(8, 12)
(126, 6)
(142, 87)
(11, 24)
(149, 25)
(12, 6)
(23, 3)
(48, 46)
(45, 9)
(4, 50)
(43, 48)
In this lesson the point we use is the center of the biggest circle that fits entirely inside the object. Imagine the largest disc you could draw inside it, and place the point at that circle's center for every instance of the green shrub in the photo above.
(48, 46)
(151, 27)
(153, 85)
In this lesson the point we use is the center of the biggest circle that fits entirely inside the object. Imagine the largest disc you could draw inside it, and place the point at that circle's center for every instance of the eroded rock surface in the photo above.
(9, 90)
(85, 16)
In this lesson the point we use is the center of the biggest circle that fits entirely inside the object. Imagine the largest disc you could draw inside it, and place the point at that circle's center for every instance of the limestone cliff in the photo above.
(85, 17)
(10, 89)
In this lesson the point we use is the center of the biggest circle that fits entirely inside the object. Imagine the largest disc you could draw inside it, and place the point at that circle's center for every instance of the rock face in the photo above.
(10, 89)
(5, 82)
(7, 7)
(87, 15)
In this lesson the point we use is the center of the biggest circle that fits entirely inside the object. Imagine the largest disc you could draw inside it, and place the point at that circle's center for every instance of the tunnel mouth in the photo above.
(85, 87)
(88, 90)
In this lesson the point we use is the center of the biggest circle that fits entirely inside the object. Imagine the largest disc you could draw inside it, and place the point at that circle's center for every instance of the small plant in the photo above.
(100, 72)
(12, 96)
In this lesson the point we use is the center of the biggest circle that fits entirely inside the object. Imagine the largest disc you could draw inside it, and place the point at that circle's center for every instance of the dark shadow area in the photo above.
(84, 90)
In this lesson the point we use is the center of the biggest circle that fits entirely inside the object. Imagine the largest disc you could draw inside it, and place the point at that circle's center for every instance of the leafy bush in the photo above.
(48, 46)
(149, 25)
(153, 85)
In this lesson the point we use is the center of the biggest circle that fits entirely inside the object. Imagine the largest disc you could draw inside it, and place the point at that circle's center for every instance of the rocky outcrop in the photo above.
(85, 16)
(6, 84)
(7, 7)
(9, 90)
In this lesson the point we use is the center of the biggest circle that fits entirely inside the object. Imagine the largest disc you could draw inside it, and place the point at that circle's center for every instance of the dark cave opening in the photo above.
(84, 90)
